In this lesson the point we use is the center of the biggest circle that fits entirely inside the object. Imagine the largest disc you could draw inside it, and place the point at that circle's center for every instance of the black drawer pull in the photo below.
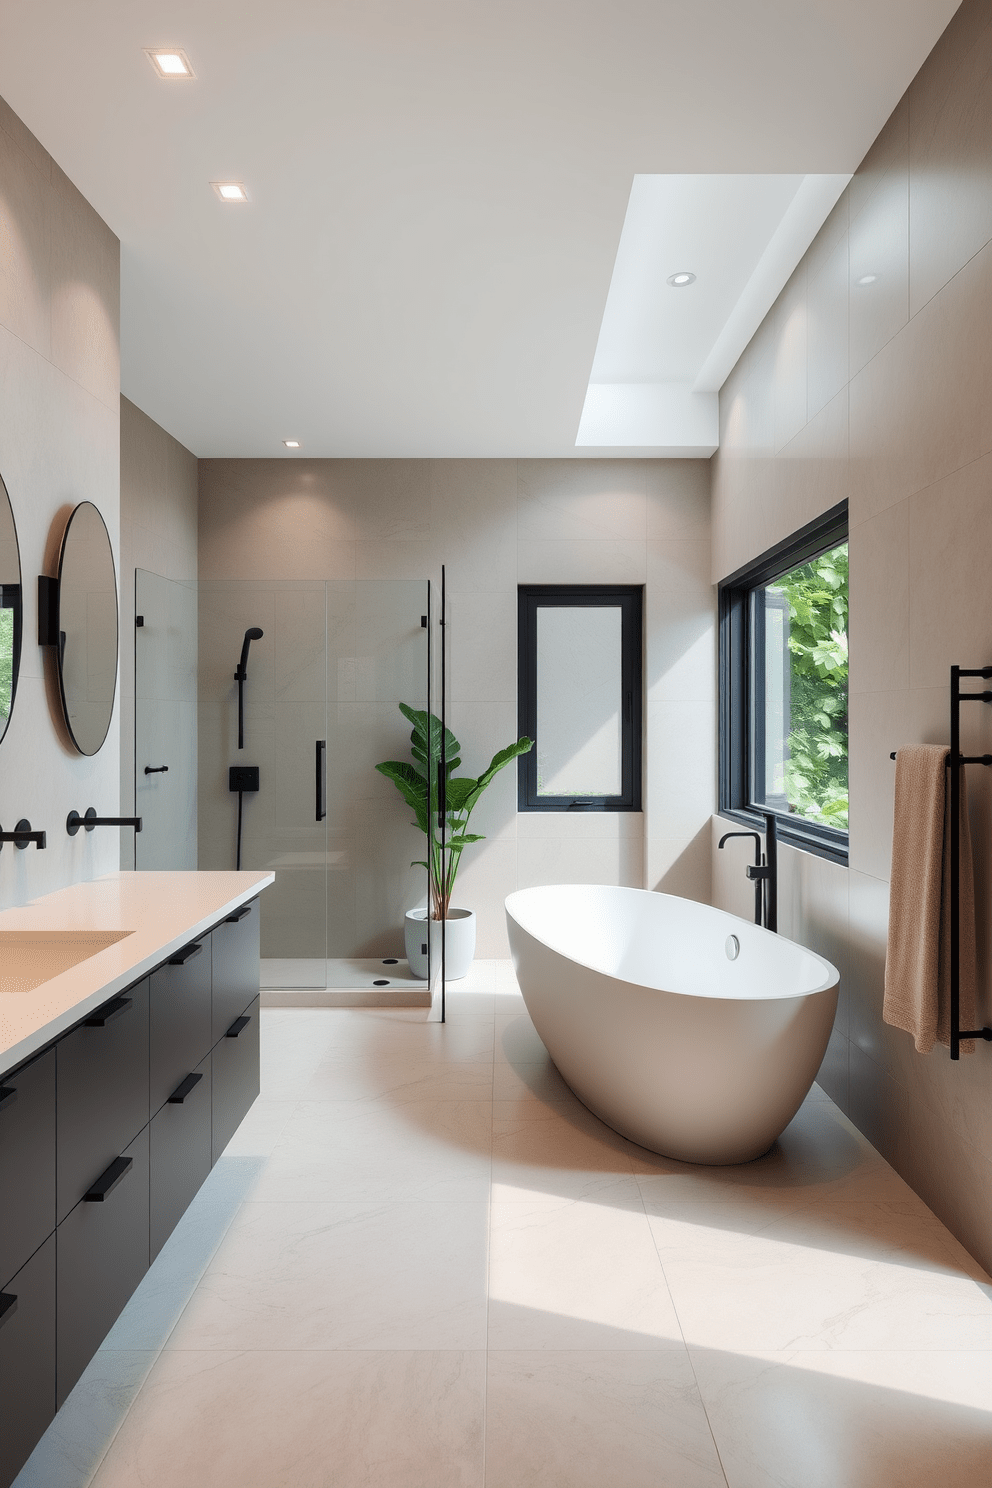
(238, 1026)
(182, 1091)
(8, 1306)
(8, 1095)
(238, 915)
(108, 1012)
(186, 953)
(108, 1181)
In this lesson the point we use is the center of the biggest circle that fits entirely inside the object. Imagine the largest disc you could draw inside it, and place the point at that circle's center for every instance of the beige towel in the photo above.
(917, 963)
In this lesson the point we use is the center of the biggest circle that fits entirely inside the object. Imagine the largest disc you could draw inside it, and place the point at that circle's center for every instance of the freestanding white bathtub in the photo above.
(693, 1032)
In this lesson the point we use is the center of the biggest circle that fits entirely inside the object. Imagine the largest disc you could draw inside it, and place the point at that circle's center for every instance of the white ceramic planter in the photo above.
(459, 942)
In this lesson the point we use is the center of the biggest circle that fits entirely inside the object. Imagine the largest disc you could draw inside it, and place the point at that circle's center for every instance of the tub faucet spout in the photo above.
(763, 872)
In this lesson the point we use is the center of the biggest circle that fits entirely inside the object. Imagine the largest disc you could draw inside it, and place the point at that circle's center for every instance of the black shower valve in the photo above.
(243, 778)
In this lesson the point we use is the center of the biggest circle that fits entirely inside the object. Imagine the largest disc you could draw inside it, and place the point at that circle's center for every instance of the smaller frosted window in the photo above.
(579, 699)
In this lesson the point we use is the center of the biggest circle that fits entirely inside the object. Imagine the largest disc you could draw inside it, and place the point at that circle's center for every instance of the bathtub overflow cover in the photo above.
(733, 947)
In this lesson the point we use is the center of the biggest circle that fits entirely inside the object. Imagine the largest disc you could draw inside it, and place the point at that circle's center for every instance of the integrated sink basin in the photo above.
(29, 958)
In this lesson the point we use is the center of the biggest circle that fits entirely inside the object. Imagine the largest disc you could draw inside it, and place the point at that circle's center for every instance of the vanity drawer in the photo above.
(235, 950)
(102, 1069)
(180, 1018)
(102, 1255)
(27, 1360)
(179, 1154)
(235, 1077)
(27, 1162)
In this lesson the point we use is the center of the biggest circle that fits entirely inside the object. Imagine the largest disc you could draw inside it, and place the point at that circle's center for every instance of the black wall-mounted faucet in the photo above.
(22, 835)
(74, 821)
(763, 872)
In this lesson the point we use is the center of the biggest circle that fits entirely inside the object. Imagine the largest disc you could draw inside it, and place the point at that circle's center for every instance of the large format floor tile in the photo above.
(344, 1276)
(892, 1418)
(587, 1419)
(844, 1276)
(304, 1419)
(350, 1152)
(555, 1281)
(423, 1263)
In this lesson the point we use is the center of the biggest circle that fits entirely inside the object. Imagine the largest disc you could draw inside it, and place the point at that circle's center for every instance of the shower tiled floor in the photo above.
(422, 1263)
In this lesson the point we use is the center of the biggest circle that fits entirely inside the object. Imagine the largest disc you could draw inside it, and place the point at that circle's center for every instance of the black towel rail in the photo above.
(955, 762)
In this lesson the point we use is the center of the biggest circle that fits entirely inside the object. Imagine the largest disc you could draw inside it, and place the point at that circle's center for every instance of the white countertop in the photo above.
(163, 911)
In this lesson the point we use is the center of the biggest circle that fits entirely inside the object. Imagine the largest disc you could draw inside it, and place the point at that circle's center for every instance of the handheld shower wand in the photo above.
(241, 677)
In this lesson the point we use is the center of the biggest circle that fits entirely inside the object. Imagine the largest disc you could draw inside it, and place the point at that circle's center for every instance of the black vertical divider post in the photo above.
(442, 801)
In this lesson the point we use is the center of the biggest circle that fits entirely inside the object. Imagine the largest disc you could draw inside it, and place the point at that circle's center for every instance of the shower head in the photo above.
(253, 634)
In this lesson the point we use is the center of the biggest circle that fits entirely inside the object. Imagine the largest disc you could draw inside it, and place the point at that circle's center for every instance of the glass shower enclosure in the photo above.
(298, 686)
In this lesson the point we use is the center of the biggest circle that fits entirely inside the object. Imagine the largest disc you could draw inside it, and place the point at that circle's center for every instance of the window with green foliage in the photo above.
(784, 689)
(6, 664)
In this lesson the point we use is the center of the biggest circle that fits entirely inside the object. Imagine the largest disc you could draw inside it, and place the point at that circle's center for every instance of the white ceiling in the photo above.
(438, 190)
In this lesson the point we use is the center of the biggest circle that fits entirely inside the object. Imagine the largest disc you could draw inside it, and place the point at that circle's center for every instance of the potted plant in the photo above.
(417, 782)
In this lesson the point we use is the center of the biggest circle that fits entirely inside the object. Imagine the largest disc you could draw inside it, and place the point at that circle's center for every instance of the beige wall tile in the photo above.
(677, 499)
(950, 124)
(680, 781)
(553, 860)
(950, 529)
(919, 409)
(680, 621)
(581, 561)
(880, 588)
(827, 328)
(27, 206)
(790, 318)
(681, 865)
(473, 505)
(560, 500)
(758, 500)
(85, 294)
(483, 647)
(880, 242)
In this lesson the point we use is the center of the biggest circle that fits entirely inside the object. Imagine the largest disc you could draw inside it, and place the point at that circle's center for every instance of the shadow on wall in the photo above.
(692, 866)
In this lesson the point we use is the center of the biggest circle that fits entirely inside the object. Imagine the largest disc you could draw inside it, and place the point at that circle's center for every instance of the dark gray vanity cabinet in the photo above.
(27, 1162)
(235, 951)
(27, 1358)
(235, 1076)
(179, 1153)
(102, 1255)
(105, 1138)
(181, 1021)
(102, 1091)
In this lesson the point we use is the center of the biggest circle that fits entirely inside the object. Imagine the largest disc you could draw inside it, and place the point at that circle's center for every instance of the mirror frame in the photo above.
(18, 608)
(54, 639)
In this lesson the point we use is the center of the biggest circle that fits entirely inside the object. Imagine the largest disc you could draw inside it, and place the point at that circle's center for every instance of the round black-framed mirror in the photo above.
(11, 612)
(88, 628)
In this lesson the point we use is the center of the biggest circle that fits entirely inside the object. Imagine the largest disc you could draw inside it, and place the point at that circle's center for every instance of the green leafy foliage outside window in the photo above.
(6, 662)
(816, 757)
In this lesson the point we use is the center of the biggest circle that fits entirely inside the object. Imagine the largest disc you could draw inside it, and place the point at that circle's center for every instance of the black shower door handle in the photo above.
(321, 781)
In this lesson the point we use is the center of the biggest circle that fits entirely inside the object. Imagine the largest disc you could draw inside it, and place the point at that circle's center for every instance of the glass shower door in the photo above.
(271, 776)
(165, 697)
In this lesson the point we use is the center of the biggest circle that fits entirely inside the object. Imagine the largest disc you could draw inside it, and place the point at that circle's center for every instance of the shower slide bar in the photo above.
(955, 763)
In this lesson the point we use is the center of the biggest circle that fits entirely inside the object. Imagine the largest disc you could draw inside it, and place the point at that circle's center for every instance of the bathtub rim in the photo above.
(830, 981)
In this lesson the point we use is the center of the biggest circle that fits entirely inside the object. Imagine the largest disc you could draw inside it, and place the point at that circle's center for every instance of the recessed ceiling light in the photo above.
(291, 443)
(681, 280)
(170, 62)
(230, 191)
(867, 279)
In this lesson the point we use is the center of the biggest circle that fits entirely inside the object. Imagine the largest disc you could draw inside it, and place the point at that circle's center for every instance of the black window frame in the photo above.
(629, 598)
(737, 685)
